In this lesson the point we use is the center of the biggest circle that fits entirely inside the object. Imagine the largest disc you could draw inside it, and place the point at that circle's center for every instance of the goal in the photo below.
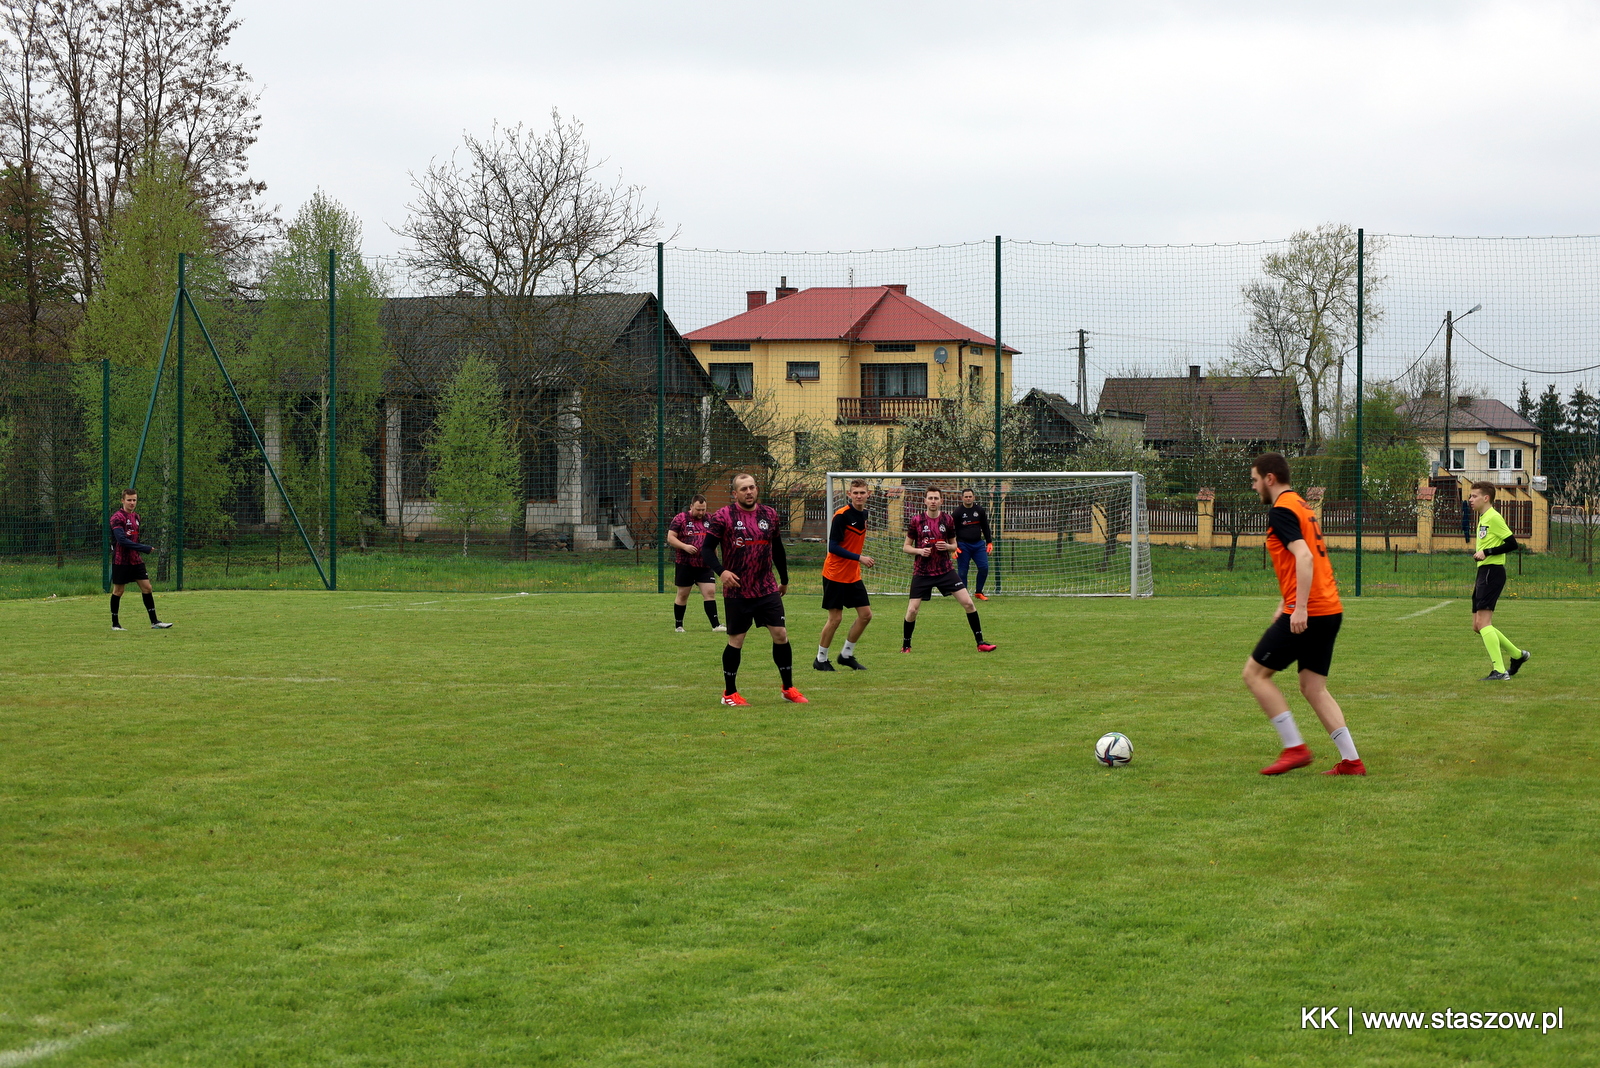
(1056, 533)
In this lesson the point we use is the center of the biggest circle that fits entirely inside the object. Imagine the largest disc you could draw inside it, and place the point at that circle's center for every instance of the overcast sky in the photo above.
(862, 124)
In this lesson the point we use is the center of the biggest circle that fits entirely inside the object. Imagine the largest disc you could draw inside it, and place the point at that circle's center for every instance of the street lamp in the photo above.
(1449, 334)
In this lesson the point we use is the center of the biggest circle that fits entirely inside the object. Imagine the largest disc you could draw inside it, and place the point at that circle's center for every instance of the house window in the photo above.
(802, 449)
(804, 372)
(977, 350)
(735, 380)
(1505, 459)
(975, 376)
(1456, 461)
(894, 346)
(850, 450)
(646, 488)
(894, 380)
(730, 346)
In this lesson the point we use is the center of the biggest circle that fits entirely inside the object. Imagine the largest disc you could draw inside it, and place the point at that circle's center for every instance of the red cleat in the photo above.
(792, 694)
(905, 648)
(981, 596)
(1296, 756)
(1347, 767)
(735, 700)
(987, 647)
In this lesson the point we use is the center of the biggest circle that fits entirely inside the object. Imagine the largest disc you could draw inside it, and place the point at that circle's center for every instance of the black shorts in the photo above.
(123, 574)
(1279, 646)
(1487, 586)
(692, 575)
(844, 594)
(744, 612)
(922, 586)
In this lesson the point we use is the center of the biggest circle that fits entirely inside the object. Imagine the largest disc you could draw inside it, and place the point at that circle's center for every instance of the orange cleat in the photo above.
(792, 694)
(1347, 767)
(1296, 756)
(905, 648)
(735, 701)
(987, 647)
(981, 596)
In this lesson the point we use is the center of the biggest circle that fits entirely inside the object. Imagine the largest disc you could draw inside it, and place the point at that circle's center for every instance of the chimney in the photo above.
(784, 289)
(1194, 371)
(754, 298)
(1430, 394)
(1463, 402)
(900, 289)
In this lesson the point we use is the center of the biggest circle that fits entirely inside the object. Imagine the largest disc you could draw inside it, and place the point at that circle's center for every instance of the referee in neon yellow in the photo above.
(1494, 541)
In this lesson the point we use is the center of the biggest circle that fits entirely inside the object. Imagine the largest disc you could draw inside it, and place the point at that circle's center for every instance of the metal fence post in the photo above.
(661, 419)
(999, 445)
(178, 525)
(333, 434)
(1361, 312)
(105, 475)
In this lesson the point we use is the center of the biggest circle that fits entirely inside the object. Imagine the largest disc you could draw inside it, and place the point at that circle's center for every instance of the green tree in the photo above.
(475, 468)
(287, 375)
(1389, 483)
(126, 321)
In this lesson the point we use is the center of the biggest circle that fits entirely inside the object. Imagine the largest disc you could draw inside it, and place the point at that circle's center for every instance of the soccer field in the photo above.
(374, 829)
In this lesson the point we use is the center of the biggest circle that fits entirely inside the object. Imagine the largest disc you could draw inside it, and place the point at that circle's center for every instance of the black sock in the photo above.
(677, 613)
(116, 606)
(977, 628)
(783, 656)
(150, 606)
(983, 576)
(910, 625)
(711, 612)
(730, 669)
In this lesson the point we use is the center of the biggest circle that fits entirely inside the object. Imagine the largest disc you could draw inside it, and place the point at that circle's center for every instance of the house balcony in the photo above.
(883, 411)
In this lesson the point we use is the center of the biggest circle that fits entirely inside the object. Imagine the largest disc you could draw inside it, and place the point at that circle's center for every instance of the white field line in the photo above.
(50, 1047)
(1423, 612)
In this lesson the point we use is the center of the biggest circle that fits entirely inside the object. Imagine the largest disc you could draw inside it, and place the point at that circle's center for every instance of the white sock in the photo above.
(1287, 730)
(1344, 743)
(822, 653)
(849, 648)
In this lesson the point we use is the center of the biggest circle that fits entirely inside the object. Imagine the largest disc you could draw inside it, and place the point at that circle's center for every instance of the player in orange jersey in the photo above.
(1303, 627)
(841, 579)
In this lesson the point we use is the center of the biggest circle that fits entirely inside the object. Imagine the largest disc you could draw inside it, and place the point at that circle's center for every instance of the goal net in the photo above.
(1056, 533)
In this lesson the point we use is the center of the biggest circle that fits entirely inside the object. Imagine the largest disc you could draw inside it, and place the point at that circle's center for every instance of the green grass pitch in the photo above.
(378, 829)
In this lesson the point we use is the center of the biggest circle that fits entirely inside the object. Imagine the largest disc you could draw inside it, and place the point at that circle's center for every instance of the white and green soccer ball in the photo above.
(1113, 750)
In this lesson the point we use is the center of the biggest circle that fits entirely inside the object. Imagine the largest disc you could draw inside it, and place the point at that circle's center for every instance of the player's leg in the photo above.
(963, 559)
(738, 626)
(964, 599)
(708, 591)
(150, 605)
(847, 656)
(680, 602)
(910, 624)
(835, 617)
(1314, 688)
(980, 556)
(1276, 650)
(116, 603)
(783, 654)
(1486, 589)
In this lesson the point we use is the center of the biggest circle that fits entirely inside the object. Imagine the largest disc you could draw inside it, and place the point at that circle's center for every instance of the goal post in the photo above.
(1056, 533)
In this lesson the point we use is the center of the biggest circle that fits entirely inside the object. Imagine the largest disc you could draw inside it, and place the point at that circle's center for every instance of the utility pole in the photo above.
(1083, 382)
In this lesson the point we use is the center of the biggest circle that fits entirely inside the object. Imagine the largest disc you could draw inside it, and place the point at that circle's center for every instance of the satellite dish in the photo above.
(1483, 447)
(941, 354)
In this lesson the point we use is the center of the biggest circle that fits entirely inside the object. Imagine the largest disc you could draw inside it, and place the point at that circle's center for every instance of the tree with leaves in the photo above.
(1302, 317)
(1389, 484)
(475, 465)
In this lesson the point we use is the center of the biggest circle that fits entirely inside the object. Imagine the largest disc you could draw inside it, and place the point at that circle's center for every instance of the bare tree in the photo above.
(1303, 315)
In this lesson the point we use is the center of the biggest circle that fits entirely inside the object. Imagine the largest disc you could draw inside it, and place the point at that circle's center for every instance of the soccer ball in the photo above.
(1113, 750)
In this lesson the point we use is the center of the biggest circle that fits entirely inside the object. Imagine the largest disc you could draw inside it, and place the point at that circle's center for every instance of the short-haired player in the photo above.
(1494, 541)
(127, 565)
(752, 542)
(685, 534)
(1303, 627)
(974, 540)
(931, 541)
(842, 586)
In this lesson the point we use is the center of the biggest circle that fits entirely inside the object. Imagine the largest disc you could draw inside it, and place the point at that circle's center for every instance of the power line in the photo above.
(1519, 367)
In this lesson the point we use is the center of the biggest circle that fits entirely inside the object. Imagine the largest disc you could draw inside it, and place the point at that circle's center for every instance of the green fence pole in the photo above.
(155, 389)
(105, 475)
(178, 525)
(1361, 310)
(661, 420)
(999, 453)
(333, 435)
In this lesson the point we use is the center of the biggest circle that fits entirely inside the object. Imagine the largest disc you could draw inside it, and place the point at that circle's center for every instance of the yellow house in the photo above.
(1488, 442)
(854, 361)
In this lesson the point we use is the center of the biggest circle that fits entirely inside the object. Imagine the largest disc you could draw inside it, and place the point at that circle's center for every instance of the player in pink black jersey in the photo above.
(752, 542)
(930, 539)
(685, 534)
(126, 563)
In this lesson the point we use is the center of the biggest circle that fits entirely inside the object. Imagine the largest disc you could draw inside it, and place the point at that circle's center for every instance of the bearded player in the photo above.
(930, 541)
(752, 546)
(841, 579)
(1304, 626)
(685, 534)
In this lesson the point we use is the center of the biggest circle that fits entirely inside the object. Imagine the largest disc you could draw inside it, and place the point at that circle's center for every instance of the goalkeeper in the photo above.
(973, 540)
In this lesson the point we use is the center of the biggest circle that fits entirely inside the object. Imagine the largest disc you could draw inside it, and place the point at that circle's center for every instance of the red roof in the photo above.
(839, 313)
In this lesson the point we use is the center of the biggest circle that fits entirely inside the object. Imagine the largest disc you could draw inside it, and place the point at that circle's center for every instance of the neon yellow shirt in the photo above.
(1492, 531)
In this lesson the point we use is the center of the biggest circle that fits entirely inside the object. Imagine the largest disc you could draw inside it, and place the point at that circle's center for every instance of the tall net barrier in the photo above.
(1052, 534)
(474, 442)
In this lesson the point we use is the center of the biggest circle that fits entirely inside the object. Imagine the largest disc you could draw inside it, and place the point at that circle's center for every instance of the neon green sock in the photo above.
(1491, 641)
(1511, 650)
